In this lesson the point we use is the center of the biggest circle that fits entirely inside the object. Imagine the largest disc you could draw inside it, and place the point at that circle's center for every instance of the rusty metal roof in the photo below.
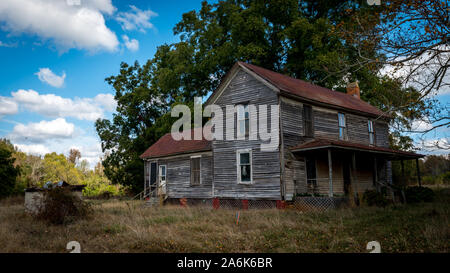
(326, 143)
(309, 91)
(166, 146)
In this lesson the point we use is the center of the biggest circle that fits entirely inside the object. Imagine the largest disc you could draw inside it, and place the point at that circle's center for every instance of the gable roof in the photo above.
(166, 146)
(304, 90)
(313, 92)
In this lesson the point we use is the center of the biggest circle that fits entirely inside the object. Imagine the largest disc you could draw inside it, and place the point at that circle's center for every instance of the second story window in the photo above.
(371, 132)
(243, 123)
(308, 120)
(342, 127)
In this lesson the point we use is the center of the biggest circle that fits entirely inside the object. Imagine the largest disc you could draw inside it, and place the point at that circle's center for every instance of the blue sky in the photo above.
(43, 112)
(55, 55)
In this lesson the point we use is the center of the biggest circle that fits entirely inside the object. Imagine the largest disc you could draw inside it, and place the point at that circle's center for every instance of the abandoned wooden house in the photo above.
(331, 144)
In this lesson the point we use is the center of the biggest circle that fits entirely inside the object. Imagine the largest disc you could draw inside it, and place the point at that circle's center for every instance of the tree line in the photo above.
(19, 171)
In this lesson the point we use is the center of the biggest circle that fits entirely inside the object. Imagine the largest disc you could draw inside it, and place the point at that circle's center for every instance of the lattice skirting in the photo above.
(300, 203)
(218, 203)
(312, 203)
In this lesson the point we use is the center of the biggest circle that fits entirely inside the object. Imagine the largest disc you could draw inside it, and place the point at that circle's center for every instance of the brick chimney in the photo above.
(353, 89)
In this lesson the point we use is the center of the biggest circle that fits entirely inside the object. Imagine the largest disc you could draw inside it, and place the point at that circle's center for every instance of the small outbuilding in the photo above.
(34, 196)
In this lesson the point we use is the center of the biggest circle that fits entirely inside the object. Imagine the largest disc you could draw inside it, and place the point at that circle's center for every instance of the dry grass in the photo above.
(119, 226)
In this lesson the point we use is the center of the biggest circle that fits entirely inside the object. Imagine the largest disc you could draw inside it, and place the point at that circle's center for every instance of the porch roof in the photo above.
(318, 144)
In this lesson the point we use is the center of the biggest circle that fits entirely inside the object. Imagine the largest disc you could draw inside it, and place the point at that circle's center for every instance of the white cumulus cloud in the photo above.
(52, 105)
(107, 101)
(43, 130)
(8, 106)
(421, 125)
(68, 26)
(47, 76)
(132, 45)
(34, 149)
(136, 19)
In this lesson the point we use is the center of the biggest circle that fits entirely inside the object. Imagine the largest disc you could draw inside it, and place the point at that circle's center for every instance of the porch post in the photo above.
(375, 172)
(355, 181)
(403, 169)
(330, 174)
(418, 172)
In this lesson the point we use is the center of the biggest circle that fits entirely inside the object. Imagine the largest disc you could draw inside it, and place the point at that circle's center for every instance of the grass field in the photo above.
(119, 226)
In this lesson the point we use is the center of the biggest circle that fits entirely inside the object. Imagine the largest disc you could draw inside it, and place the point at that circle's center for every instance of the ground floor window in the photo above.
(244, 166)
(195, 170)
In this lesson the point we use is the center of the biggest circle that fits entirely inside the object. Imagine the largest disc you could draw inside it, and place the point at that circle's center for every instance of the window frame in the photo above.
(310, 121)
(343, 127)
(241, 117)
(238, 165)
(165, 173)
(370, 125)
(199, 157)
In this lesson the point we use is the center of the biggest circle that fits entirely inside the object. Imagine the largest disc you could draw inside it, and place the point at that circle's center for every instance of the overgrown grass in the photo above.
(119, 226)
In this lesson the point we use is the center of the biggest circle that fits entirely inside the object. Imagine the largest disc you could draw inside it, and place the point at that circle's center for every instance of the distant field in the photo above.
(119, 226)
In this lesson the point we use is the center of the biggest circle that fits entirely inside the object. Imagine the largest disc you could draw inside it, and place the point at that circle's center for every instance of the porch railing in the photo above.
(147, 192)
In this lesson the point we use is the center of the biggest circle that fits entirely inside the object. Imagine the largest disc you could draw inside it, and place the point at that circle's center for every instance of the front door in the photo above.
(152, 185)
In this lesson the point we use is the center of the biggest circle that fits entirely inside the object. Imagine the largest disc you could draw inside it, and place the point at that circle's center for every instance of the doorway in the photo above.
(346, 174)
(152, 185)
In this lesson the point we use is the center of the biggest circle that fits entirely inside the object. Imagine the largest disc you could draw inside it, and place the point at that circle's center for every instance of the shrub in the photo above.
(100, 187)
(446, 178)
(61, 206)
(374, 198)
(418, 194)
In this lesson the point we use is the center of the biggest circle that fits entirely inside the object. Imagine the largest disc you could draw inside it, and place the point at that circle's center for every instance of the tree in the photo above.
(57, 167)
(436, 165)
(99, 169)
(8, 172)
(84, 167)
(412, 40)
(299, 39)
(74, 156)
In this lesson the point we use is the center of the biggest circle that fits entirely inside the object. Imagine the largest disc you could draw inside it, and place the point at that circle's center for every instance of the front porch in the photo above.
(341, 169)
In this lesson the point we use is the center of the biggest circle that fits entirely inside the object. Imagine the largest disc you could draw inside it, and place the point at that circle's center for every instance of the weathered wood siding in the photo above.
(178, 175)
(357, 129)
(294, 176)
(179, 178)
(244, 88)
(325, 123)
(292, 122)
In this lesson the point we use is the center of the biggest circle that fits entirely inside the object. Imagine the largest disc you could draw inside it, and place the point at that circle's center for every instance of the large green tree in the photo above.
(296, 38)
